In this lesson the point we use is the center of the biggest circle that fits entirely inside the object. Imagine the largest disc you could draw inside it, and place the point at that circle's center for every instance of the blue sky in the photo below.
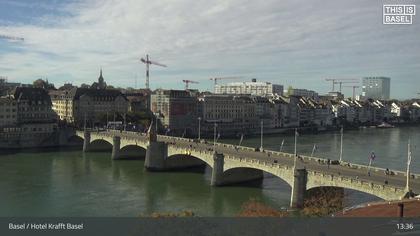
(290, 42)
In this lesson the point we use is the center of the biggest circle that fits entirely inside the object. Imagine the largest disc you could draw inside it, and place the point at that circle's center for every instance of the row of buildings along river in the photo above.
(41, 116)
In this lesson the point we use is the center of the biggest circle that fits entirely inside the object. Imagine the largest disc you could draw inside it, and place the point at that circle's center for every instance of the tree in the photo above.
(40, 83)
(84, 85)
(323, 201)
(254, 208)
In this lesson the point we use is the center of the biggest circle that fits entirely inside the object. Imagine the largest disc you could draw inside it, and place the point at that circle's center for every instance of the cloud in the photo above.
(288, 42)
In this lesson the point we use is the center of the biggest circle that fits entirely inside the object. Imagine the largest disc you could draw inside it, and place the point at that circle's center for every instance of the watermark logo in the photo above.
(398, 14)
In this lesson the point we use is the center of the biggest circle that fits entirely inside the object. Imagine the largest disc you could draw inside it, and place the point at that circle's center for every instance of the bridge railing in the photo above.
(379, 169)
(361, 182)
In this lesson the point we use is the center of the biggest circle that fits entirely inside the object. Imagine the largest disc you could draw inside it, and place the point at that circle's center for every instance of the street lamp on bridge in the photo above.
(84, 125)
(214, 141)
(199, 128)
(407, 186)
(125, 122)
(107, 121)
(262, 135)
(294, 162)
(115, 116)
(341, 145)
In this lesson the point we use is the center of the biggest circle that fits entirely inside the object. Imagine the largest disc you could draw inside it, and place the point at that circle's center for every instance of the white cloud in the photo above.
(295, 42)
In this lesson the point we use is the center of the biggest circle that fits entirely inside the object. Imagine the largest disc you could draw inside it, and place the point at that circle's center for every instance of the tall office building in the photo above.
(376, 88)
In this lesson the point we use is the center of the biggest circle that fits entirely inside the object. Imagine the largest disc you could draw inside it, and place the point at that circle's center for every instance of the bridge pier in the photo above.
(156, 155)
(116, 148)
(86, 141)
(217, 173)
(299, 188)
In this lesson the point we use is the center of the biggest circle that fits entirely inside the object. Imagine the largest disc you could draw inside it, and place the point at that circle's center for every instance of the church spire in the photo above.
(101, 81)
(100, 74)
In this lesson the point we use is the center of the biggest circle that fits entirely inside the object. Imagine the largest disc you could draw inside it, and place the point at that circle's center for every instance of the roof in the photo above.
(33, 94)
(246, 84)
(172, 93)
(76, 93)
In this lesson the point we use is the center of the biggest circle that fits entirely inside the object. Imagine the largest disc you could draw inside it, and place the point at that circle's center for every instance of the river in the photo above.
(71, 183)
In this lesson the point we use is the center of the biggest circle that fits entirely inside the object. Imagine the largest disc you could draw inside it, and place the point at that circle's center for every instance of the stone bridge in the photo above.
(233, 164)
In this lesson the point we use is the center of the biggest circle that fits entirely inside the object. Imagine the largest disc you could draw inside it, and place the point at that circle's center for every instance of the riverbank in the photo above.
(62, 138)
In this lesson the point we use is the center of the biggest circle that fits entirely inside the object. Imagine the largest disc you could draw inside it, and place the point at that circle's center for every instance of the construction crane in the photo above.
(148, 62)
(187, 82)
(2, 36)
(354, 90)
(223, 78)
(344, 82)
(341, 81)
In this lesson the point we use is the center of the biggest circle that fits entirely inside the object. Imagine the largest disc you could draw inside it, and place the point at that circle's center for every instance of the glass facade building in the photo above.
(376, 88)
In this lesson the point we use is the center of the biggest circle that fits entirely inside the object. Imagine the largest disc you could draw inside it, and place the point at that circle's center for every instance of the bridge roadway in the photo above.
(346, 175)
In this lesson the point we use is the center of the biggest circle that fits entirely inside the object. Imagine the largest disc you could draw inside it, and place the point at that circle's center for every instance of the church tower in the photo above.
(101, 81)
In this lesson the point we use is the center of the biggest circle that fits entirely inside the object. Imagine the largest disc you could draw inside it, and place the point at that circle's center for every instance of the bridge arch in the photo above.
(346, 194)
(76, 139)
(384, 192)
(285, 174)
(132, 151)
(184, 159)
(184, 154)
(100, 145)
(125, 143)
(245, 174)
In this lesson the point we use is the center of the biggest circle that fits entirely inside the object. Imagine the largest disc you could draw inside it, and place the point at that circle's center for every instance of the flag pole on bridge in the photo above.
(84, 126)
(199, 128)
(407, 186)
(115, 127)
(107, 121)
(262, 135)
(281, 146)
(296, 134)
(214, 140)
(341, 145)
(125, 122)
(294, 162)
(313, 150)
(150, 127)
(242, 139)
